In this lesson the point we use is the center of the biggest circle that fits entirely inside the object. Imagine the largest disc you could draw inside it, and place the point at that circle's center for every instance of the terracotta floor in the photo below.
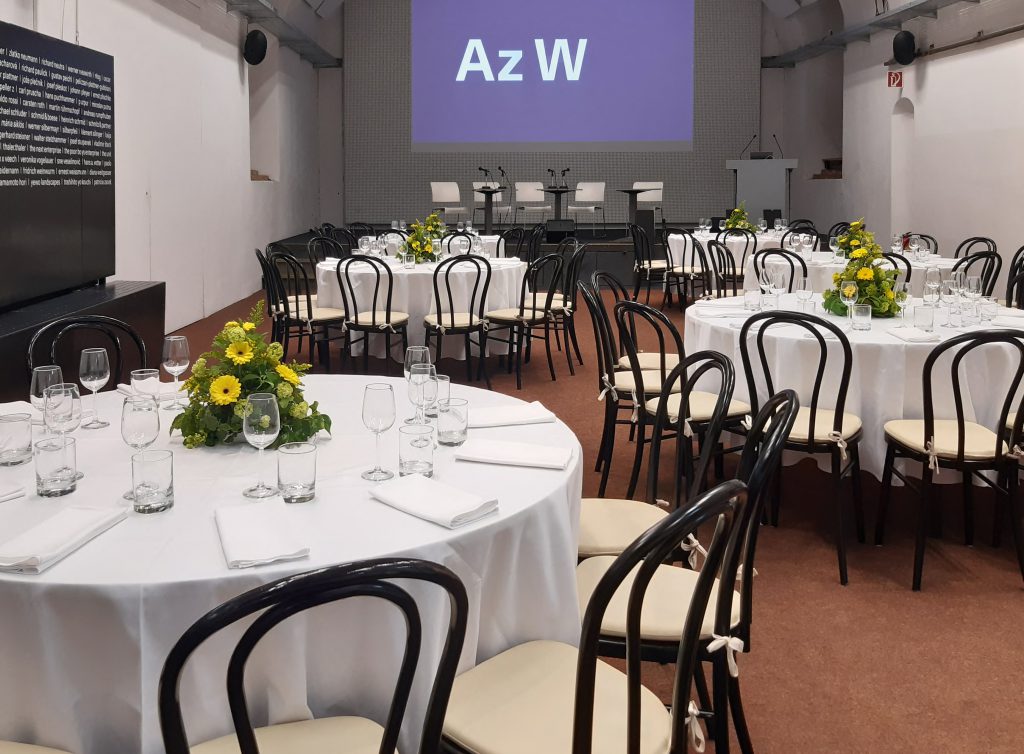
(869, 667)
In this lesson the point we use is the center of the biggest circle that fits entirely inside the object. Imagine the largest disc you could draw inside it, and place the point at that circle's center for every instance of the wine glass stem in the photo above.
(95, 407)
(376, 463)
(176, 396)
(259, 470)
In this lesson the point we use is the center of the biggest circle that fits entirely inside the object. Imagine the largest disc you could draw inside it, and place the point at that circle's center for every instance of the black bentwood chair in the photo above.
(608, 525)
(1015, 290)
(793, 261)
(929, 241)
(378, 318)
(901, 264)
(361, 229)
(276, 602)
(974, 245)
(510, 242)
(727, 620)
(725, 275)
(99, 331)
(739, 234)
(1017, 263)
(552, 698)
(683, 266)
(959, 443)
(839, 229)
(984, 264)
(817, 429)
(456, 315)
(566, 301)
(646, 269)
(299, 313)
(464, 245)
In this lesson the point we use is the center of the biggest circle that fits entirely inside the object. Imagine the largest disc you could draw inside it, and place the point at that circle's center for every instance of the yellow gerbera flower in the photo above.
(248, 326)
(858, 253)
(287, 374)
(865, 273)
(240, 352)
(232, 323)
(890, 294)
(225, 390)
(855, 242)
(850, 289)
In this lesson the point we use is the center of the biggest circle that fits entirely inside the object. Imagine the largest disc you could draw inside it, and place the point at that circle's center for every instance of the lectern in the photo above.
(762, 184)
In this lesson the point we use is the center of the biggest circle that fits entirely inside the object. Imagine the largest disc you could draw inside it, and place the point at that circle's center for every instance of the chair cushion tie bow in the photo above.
(694, 728)
(933, 457)
(732, 645)
(837, 438)
(608, 389)
(693, 546)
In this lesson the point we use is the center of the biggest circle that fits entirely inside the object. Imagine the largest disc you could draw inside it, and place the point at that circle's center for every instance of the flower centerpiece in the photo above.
(873, 284)
(241, 362)
(739, 220)
(421, 235)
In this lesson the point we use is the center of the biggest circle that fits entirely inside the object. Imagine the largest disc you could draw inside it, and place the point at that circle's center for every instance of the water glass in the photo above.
(435, 248)
(261, 425)
(804, 291)
(924, 317)
(808, 307)
(769, 302)
(409, 261)
(15, 439)
(42, 378)
(778, 224)
(175, 363)
(296, 471)
(364, 245)
(146, 382)
(422, 388)
(416, 450)
(152, 481)
(444, 392)
(862, 316)
(56, 467)
(970, 312)
(752, 301)
(721, 225)
(94, 373)
(762, 225)
(988, 309)
(452, 421)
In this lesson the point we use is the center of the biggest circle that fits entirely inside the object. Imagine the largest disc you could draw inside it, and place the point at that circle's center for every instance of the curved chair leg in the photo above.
(547, 348)
(482, 366)
(520, 331)
(469, 359)
(1016, 523)
(440, 347)
(858, 493)
(638, 455)
(366, 352)
(568, 350)
(924, 513)
(700, 685)
(739, 720)
(720, 702)
(837, 477)
(883, 498)
(575, 343)
(968, 485)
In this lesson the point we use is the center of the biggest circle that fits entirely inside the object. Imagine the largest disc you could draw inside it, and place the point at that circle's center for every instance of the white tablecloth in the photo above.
(414, 294)
(821, 268)
(885, 381)
(83, 644)
(681, 255)
(490, 245)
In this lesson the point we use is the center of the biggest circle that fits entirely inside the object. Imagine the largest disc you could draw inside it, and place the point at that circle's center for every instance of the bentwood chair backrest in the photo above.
(899, 263)
(88, 331)
(571, 270)
(510, 242)
(267, 277)
(361, 229)
(348, 240)
(459, 242)
(959, 348)
(604, 341)
(360, 299)
(643, 256)
(319, 248)
(723, 269)
(274, 603)
(643, 324)
(800, 231)
(606, 280)
(686, 374)
(677, 258)
(536, 239)
(984, 264)
(539, 283)
(719, 508)
(973, 245)
(805, 226)
(839, 229)
(469, 272)
(1015, 290)
(929, 241)
(740, 234)
(794, 261)
(759, 373)
(294, 286)
(1017, 263)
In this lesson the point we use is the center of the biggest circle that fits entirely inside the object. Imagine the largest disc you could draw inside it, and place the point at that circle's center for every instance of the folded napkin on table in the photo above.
(52, 540)
(434, 501)
(913, 334)
(10, 492)
(1014, 322)
(724, 313)
(256, 534)
(507, 453)
(510, 416)
(1005, 311)
(165, 395)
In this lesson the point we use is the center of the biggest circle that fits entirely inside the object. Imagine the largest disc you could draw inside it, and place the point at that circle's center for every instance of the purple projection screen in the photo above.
(552, 75)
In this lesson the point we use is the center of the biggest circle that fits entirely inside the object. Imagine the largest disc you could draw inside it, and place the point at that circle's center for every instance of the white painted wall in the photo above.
(186, 210)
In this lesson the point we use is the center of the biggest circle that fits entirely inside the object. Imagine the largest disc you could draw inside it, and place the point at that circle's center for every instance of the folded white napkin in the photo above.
(913, 334)
(257, 534)
(10, 492)
(165, 395)
(507, 453)
(434, 501)
(510, 416)
(730, 314)
(1006, 311)
(54, 539)
(1014, 322)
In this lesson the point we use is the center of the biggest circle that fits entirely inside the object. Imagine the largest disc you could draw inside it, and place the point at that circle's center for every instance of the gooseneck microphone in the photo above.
(778, 145)
(748, 145)
(485, 171)
(563, 176)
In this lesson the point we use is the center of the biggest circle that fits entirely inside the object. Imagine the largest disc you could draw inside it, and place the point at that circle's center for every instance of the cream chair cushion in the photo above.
(626, 383)
(320, 313)
(979, 441)
(522, 702)
(823, 424)
(702, 406)
(608, 526)
(461, 319)
(12, 748)
(368, 318)
(654, 264)
(512, 315)
(665, 603)
(651, 360)
(352, 735)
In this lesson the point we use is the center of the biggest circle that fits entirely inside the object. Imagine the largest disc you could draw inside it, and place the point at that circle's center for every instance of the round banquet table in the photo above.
(84, 642)
(413, 294)
(821, 268)
(885, 380)
(490, 245)
(680, 254)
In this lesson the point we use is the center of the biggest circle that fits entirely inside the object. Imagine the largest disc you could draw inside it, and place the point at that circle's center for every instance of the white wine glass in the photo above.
(721, 225)
(261, 424)
(42, 378)
(175, 363)
(415, 355)
(378, 417)
(94, 374)
(849, 292)
(140, 425)
(422, 390)
(804, 291)
(762, 225)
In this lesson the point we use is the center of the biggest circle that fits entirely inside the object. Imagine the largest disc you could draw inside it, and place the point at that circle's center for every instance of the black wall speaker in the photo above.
(904, 48)
(255, 48)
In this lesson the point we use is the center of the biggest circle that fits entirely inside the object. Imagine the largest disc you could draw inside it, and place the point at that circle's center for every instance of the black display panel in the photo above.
(56, 165)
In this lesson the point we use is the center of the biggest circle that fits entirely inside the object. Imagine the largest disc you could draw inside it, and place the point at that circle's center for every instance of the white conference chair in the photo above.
(478, 201)
(530, 197)
(653, 196)
(590, 199)
(443, 193)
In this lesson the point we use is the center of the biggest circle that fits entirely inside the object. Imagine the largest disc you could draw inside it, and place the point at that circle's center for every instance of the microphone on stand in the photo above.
(485, 171)
(552, 174)
(563, 176)
(748, 145)
(778, 145)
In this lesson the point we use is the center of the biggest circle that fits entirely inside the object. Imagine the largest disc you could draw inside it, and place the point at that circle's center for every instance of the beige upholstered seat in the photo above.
(608, 526)
(979, 441)
(655, 264)
(624, 381)
(522, 702)
(319, 313)
(702, 406)
(651, 360)
(665, 603)
(512, 315)
(823, 424)
(368, 318)
(461, 319)
(351, 735)
(687, 270)
(7, 747)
